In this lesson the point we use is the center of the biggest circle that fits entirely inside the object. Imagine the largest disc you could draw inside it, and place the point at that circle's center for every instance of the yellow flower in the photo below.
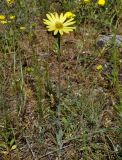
(58, 23)
(4, 21)
(86, 1)
(10, 1)
(22, 28)
(69, 15)
(101, 2)
(2, 17)
(12, 17)
(99, 67)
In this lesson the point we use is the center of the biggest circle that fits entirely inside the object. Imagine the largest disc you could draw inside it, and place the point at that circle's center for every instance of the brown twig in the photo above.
(56, 150)
(30, 148)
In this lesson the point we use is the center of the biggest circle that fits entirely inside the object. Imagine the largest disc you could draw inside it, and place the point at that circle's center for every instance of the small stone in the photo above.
(43, 55)
(110, 41)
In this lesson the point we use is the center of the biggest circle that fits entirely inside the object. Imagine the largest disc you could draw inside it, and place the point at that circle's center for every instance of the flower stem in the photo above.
(59, 98)
(59, 70)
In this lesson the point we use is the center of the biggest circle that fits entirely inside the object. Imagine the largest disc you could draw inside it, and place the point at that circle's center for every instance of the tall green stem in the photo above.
(59, 135)
(59, 73)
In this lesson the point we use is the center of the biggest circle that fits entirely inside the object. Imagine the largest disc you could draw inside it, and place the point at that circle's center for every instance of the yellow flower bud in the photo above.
(4, 21)
(101, 2)
(99, 67)
(69, 15)
(2, 17)
(12, 17)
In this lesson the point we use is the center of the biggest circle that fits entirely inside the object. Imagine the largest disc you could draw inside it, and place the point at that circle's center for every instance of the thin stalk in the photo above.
(59, 136)
(59, 75)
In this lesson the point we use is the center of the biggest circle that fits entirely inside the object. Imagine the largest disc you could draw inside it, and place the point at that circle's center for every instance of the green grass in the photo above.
(90, 99)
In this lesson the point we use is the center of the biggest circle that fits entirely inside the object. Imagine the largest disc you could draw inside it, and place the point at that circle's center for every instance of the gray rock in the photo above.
(110, 41)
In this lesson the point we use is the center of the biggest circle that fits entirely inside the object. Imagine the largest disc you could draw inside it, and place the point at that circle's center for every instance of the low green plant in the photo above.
(7, 144)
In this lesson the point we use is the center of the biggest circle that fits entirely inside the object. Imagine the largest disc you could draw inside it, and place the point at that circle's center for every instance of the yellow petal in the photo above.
(47, 22)
(53, 16)
(69, 27)
(50, 28)
(67, 30)
(55, 32)
(62, 18)
(50, 18)
(61, 31)
(57, 17)
(69, 22)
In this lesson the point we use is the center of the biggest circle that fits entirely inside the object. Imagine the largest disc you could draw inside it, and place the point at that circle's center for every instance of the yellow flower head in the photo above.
(59, 23)
(4, 21)
(10, 1)
(86, 1)
(12, 17)
(101, 2)
(2, 17)
(99, 67)
(69, 15)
